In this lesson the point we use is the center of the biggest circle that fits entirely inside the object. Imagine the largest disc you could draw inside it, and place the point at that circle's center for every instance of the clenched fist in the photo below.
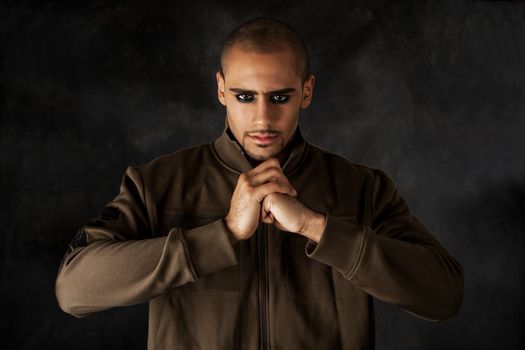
(251, 189)
(288, 214)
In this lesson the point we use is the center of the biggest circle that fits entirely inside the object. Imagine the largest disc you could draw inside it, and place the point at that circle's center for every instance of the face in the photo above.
(263, 95)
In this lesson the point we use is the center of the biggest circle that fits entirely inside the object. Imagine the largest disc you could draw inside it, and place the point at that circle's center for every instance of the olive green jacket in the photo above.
(163, 240)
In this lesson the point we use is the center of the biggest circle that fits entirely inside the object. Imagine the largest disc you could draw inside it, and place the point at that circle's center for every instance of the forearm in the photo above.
(109, 273)
(422, 279)
(106, 274)
(419, 277)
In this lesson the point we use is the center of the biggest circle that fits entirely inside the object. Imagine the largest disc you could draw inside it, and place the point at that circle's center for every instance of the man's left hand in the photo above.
(288, 214)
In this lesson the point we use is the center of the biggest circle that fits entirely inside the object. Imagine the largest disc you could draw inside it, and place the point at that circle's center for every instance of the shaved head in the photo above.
(267, 35)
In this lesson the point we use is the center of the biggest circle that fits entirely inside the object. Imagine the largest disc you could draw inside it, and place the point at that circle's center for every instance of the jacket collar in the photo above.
(230, 153)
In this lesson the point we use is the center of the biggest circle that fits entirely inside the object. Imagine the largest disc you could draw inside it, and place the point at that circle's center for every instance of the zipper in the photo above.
(262, 243)
(292, 155)
(263, 285)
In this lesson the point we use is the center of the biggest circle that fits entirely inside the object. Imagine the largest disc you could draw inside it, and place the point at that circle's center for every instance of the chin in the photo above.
(262, 157)
(262, 153)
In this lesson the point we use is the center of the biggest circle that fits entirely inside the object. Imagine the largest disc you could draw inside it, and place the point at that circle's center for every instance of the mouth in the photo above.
(263, 138)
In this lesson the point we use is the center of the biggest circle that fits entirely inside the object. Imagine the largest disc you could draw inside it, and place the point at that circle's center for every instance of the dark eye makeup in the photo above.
(245, 98)
(279, 98)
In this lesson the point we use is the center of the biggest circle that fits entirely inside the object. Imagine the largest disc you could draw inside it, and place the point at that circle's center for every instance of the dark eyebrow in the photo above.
(251, 92)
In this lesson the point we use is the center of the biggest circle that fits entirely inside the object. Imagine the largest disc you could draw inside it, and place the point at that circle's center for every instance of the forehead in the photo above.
(246, 69)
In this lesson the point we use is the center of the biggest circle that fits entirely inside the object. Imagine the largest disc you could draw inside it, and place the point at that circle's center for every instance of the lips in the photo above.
(263, 139)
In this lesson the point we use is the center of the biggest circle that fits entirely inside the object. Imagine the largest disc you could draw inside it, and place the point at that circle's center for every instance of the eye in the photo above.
(244, 98)
(280, 98)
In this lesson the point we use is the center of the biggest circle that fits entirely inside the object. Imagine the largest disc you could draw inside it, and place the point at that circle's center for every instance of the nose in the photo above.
(263, 118)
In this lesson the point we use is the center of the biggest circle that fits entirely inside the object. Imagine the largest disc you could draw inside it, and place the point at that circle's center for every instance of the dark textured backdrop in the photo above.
(432, 92)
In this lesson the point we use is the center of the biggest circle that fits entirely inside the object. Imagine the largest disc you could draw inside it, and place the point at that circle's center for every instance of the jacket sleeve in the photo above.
(114, 261)
(395, 259)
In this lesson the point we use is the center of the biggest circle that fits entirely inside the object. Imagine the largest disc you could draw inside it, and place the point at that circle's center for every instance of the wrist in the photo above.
(231, 235)
(314, 226)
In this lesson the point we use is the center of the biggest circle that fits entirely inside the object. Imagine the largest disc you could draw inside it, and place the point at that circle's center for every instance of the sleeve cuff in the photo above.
(341, 245)
(209, 248)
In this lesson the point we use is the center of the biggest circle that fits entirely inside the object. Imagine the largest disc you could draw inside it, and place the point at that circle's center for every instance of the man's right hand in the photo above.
(252, 186)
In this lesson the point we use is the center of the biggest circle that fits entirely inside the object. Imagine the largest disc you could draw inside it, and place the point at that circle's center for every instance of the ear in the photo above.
(308, 89)
(220, 87)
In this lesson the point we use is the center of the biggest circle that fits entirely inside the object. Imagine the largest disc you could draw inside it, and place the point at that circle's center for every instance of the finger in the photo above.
(269, 174)
(269, 170)
(268, 163)
(265, 217)
(261, 168)
(272, 187)
(267, 220)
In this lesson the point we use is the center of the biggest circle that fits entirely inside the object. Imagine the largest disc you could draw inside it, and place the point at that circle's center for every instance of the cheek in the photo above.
(290, 121)
(238, 117)
(238, 109)
(290, 114)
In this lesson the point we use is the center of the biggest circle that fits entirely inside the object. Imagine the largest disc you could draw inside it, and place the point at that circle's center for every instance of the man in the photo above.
(259, 240)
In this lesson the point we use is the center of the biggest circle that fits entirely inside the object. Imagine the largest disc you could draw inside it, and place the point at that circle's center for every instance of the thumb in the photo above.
(264, 214)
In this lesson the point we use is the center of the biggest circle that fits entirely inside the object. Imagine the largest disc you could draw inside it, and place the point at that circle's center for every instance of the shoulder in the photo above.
(183, 160)
(338, 164)
(343, 172)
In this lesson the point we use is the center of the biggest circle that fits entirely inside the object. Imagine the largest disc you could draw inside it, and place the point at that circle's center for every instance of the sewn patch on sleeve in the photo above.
(80, 239)
(108, 214)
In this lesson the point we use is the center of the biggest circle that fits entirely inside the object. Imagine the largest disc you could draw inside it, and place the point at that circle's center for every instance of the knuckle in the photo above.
(273, 161)
(275, 172)
(244, 180)
(271, 196)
